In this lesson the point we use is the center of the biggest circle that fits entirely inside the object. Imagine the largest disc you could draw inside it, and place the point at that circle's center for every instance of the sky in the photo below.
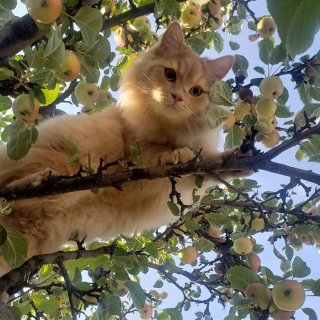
(268, 180)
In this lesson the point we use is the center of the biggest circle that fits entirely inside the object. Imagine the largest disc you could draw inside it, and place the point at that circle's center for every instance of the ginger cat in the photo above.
(163, 104)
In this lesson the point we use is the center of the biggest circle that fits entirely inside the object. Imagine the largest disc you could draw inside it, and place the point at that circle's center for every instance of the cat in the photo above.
(163, 104)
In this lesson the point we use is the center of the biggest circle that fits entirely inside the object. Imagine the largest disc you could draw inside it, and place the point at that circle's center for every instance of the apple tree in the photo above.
(62, 51)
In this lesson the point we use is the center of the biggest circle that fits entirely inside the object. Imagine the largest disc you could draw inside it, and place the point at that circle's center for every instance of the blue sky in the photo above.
(268, 180)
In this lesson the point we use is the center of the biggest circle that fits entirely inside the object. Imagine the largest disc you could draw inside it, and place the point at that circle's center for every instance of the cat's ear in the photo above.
(173, 38)
(218, 68)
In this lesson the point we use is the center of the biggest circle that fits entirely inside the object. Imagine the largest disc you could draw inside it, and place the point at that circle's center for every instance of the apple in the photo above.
(271, 87)
(146, 312)
(241, 110)
(266, 27)
(266, 108)
(23, 111)
(245, 94)
(261, 293)
(119, 37)
(214, 8)
(215, 25)
(71, 68)
(213, 231)
(272, 141)
(188, 255)
(142, 21)
(191, 16)
(257, 224)
(152, 37)
(228, 124)
(253, 37)
(316, 238)
(255, 262)
(89, 109)
(105, 98)
(288, 295)
(44, 11)
(271, 123)
(86, 93)
(219, 268)
(313, 69)
(278, 314)
(312, 210)
(304, 239)
(242, 245)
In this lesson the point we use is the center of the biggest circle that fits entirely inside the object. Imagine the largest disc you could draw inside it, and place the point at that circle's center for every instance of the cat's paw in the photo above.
(177, 156)
(43, 176)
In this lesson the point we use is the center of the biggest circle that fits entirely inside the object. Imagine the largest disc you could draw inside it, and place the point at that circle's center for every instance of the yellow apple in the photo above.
(23, 111)
(242, 245)
(146, 312)
(266, 27)
(257, 224)
(241, 110)
(188, 255)
(216, 25)
(119, 37)
(266, 108)
(191, 16)
(44, 11)
(255, 262)
(86, 93)
(142, 21)
(105, 98)
(271, 87)
(229, 123)
(214, 8)
(260, 292)
(288, 295)
(71, 68)
(270, 122)
(272, 141)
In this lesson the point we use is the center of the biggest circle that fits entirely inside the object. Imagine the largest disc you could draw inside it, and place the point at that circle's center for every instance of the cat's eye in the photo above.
(170, 75)
(196, 91)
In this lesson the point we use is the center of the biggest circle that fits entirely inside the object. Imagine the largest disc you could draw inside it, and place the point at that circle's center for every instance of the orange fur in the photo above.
(146, 113)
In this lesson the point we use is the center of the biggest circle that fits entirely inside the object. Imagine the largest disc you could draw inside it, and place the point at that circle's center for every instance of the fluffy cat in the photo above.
(163, 104)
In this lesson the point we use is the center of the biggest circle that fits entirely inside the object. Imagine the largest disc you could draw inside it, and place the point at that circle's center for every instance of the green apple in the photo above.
(261, 293)
(105, 98)
(188, 255)
(266, 108)
(271, 87)
(272, 140)
(241, 110)
(229, 123)
(146, 312)
(44, 11)
(86, 93)
(89, 109)
(119, 37)
(270, 123)
(71, 68)
(288, 295)
(257, 224)
(255, 262)
(242, 245)
(266, 27)
(215, 25)
(142, 21)
(191, 16)
(23, 111)
(214, 8)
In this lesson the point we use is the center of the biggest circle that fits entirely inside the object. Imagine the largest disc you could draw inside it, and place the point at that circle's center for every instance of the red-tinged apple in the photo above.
(242, 245)
(266, 27)
(245, 94)
(271, 87)
(266, 108)
(44, 11)
(216, 23)
(260, 292)
(288, 295)
(22, 109)
(105, 98)
(188, 255)
(214, 8)
(86, 93)
(119, 37)
(213, 231)
(241, 110)
(142, 21)
(281, 315)
(191, 16)
(313, 68)
(272, 140)
(315, 237)
(71, 68)
(304, 239)
(270, 123)
(146, 312)
(229, 123)
(312, 210)
(255, 262)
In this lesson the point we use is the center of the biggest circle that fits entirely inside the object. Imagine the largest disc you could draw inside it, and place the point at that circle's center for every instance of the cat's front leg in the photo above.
(177, 156)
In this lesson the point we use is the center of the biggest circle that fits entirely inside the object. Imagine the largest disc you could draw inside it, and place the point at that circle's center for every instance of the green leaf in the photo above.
(311, 313)
(198, 44)
(3, 234)
(217, 219)
(14, 250)
(174, 313)
(191, 224)
(207, 198)
(265, 47)
(199, 181)
(234, 45)
(216, 116)
(277, 55)
(315, 93)
(218, 41)
(47, 304)
(240, 277)
(172, 9)
(89, 21)
(278, 254)
(289, 252)
(173, 208)
(300, 268)
(101, 50)
(220, 93)
(113, 305)
(234, 138)
(259, 70)
(5, 73)
(203, 245)
(137, 294)
(241, 11)
(152, 248)
(89, 69)
(252, 26)
(5, 103)
(304, 93)
(283, 111)
(297, 21)
(71, 146)
(8, 4)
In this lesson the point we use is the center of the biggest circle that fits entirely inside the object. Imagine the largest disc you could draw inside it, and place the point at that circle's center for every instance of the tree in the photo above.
(224, 220)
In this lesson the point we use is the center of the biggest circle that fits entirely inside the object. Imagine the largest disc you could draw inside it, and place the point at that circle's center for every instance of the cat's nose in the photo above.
(176, 97)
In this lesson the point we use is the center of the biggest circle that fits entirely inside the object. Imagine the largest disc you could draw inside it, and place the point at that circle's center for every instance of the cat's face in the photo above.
(171, 80)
